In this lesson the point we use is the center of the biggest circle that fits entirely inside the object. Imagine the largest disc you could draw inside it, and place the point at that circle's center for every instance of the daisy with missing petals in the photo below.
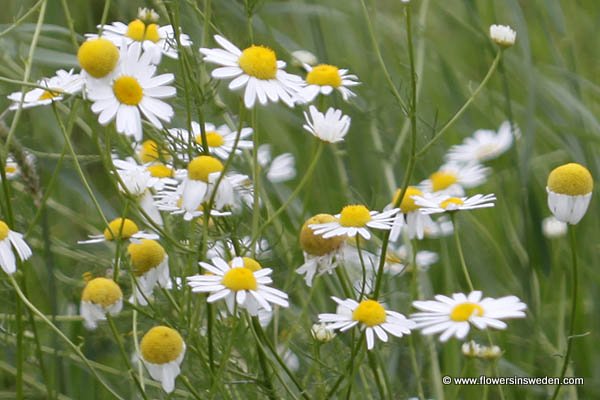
(279, 169)
(453, 179)
(409, 218)
(162, 350)
(353, 220)
(569, 190)
(484, 145)
(100, 296)
(130, 89)
(220, 139)
(54, 89)
(434, 204)
(9, 240)
(329, 127)
(453, 316)
(238, 283)
(324, 79)
(119, 228)
(256, 69)
(372, 317)
(150, 265)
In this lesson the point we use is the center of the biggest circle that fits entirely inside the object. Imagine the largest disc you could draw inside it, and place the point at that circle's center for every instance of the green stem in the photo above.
(20, 349)
(461, 256)
(415, 367)
(209, 333)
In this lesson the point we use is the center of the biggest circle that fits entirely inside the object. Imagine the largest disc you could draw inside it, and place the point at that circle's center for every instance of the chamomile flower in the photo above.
(10, 240)
(280, 169)
(156, 40)
(257, 70)
(503, 35)
(130, 89)
(324, 79)
(410, 218)
(237, 283)
(162, 350)
(322, 333)
(355, 219)
(434, 204)
(319, 253)
(370, 316)
(225, 248)
(453, 316)
(472, 349)
(150, 264)
(484, 145)
(98, 58)
(52, 89)
(220, 139)
(330, 127)
(100, 296)
(453, 178)
(11, 169)
(151, 152)
(119, 228)
(569, 190)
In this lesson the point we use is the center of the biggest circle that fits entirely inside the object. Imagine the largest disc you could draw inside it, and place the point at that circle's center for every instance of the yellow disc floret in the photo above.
(128, 90)
(571, 179)
(152, 33)
(98, 57)
(139, 31)
(324, 75)
(145, 255)
(369, 312)
(259, 62)
(161, 345)
(317, 245)
(213, 139)
(355, 216)
(462, 312)
(451, 201)
(408, 203)
(50, 94)
(4, 230)
(149, 152)
(123, 228)
(202, 166)
(442, 180)
(102, 291)
(251, 264)
(160, 171)
(239, 279)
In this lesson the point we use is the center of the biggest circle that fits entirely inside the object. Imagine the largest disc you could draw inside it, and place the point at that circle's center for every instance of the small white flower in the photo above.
(162, 350)
(353, 220)
(54, 89)
(324, 79)
(100, 296)
(569, 190)
(170, 200)
(119, 228)
(220, 139)
(553, 228)
(279, 169)
(147, 14)
(372, 317)
(10, 240)
(453, 179)
(321, 333)
(330, 127)
(434, 204)
(503, 35)
(454, 315)
(483, 145)
(302, 57)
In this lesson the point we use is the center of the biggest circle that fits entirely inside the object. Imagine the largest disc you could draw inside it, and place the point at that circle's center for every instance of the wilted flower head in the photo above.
(569, 190)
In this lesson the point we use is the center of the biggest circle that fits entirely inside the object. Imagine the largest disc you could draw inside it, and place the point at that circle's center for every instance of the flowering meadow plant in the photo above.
(269, 199)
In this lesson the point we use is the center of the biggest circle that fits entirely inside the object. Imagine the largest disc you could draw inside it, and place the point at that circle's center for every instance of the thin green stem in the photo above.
(209, 332)
(461, 256)
(415, 367)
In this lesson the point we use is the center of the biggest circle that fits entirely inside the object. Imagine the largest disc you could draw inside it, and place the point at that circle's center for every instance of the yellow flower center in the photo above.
(102, 291)
(239, 279)
(314, 244)
(251, 264)
(139, 31)
(128, 90)
(462, 312)
(122, 228)
(442, 180)
(145, 255)
(50, 94)
(150, 152)
(160, 171)
(324, 75)
(161, 345)
(10, 168)
(451, 201)
(259, 62)
(571, 179)
(98, 57)
(355, 216)
(369, 312)
(202, 166)
(408, 203)
(213, 139)
(4, 230)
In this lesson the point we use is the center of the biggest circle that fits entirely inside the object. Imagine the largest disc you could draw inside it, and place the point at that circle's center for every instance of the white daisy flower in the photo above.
(150, 265)
(137, 179)
(162, 350)
(156, 40)
(11, 169)
(353, 220)
(453, 179)
(372, 317)
(119, 228)
(484, 145)
(569, 190)
(410, 219)
(454, 316)
(171, 200)
(220, 139)
(552, 228)
(324, 79)
(238, 283)
(279, 169)
(225, 248)
(256, 69)
(434, 204)
(130, 89)
(52, 89)
(10, 240)
(329, 127)
(100, 296)
(503, 35)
